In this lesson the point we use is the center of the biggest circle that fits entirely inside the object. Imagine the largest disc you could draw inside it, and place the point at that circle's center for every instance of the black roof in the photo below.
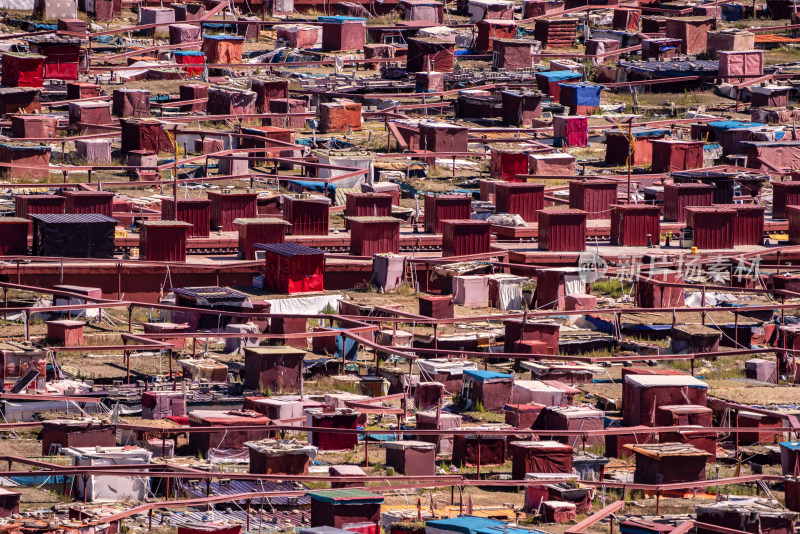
(73, 218)
(289, 249)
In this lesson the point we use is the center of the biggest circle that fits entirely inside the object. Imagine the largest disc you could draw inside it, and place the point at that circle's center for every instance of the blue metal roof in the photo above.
(482, 376)
(466, 524)
(558, 75)
(791, 445)
(339, 19)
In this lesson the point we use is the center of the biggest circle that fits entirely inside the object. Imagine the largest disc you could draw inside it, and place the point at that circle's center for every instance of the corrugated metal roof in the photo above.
(73, 218)
(374, 219)
(249, 486)
(289, 249)
(208, 292)
(345, 495)
(167, 223)
(260, 220)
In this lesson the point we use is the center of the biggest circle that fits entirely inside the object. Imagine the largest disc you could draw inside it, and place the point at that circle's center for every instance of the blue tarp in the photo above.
(791, 445)
(221, 37)
(560, 75)
(584, 93)
(339, 19)
(649, 132)
(193, 53)
(314, 186)
(731, 125)
(345, 344)
(710, 146)
(481, 376)
(465, 524)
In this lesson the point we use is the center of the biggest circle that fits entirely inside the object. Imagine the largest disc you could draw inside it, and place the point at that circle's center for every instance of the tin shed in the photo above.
(464, 237)
(520, 198)
(162, 404)
(549, 82)
(222, 48)
(443, 137)
(594, 197)
(163, 240)
(345, 507)
(683, 415)
(744, 514)
(523, 416)
(202, 442)
(374, 235)
(13, 236)
(445, 207)
(195, 211)
(429, 54)
(63, 433)
(264, 230)
(227, 207)
(692, 31)
(442, 421)
(27, 205)
(308, 215)
(507, 161)
(73, 235)
(677, 197)
(673, 155)
(343, 33)
(520, 108)
(471, 450)
(580, 418)
(367, 205)
(570, 131)
(22, 70)
(617, 145)
(89, 202)
(582, 98)
(276, 369)
(109, 488)
(539, 457)
(292, 268)
(712, 226)
(748, 225)
(131, 103)
(422, 10)
(742, 63)
(279, 457)
(411, 458)
(342, 115)
(145, 134)
(562, 230)
(667, 463)
(31, 161)
(643, 394)
(635, 224)
(492, 390)
(547, 331)
(34, 126)
(511, 54)
(784, 194)
(489, 29)
(344, 418)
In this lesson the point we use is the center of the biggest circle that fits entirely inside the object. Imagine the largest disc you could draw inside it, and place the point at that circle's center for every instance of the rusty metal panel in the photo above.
(562, 230)
(82, 202)
(308, 216)
(367, 205)
(441, 207)
(784, 194)
(748, 226)
(712, 226)
(631, 223)
(520, 198)
(465, 237)
(226, 207)
(374, 235)
(195, 211)
(678, 196)
(594, 197)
